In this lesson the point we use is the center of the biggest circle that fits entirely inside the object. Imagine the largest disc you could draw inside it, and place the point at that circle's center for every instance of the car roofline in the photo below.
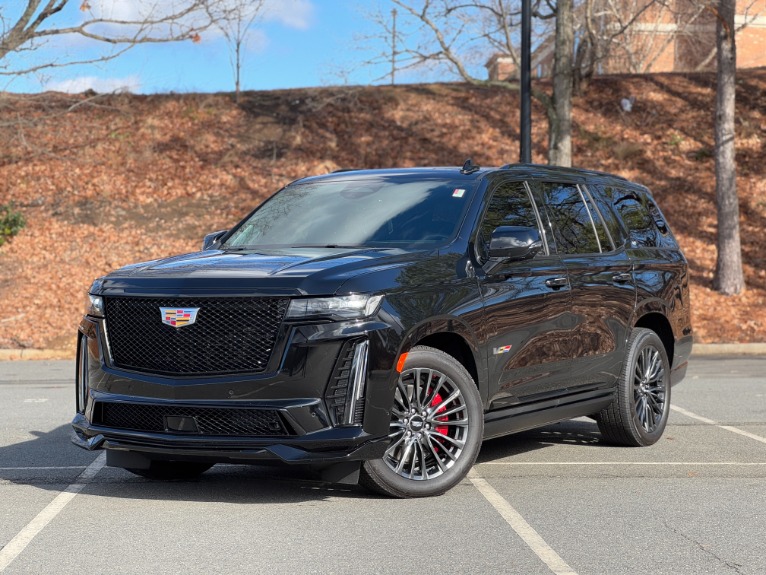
(518, 169)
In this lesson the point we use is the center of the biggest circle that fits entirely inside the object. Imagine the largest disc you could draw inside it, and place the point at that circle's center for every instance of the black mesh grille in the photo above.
(230, 335)
(206, 420)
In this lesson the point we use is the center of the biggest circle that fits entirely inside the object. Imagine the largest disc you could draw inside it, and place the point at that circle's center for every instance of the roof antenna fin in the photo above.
(469, 167)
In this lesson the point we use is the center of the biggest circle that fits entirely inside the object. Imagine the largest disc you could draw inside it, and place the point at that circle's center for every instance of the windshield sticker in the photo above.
(458, 193)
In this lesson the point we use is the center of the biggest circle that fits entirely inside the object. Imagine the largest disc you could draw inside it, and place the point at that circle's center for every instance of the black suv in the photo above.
(380, 324)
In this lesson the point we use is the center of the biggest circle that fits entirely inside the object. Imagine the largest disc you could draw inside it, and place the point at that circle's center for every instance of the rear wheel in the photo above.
(169, 470)
(639, 412)
(436, 428)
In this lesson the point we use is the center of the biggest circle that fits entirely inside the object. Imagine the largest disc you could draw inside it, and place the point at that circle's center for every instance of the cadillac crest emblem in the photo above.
(179, 317)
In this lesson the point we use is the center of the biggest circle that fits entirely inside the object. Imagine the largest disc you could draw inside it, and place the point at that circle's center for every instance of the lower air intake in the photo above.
(220, 421)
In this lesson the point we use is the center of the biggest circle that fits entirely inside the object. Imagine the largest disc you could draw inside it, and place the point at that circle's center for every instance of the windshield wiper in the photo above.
(339, 246)
(257, 249)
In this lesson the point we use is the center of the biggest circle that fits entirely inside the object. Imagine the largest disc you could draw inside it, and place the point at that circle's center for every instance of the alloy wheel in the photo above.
(649, 388)
(429, 425)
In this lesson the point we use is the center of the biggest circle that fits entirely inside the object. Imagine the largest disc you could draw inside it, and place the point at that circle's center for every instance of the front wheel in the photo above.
(639, 412)
(437, 423)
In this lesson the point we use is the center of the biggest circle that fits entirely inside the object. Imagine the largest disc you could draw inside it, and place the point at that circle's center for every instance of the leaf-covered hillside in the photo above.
(103, 181)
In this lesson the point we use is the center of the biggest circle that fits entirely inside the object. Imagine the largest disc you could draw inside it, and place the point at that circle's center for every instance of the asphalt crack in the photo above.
(736, 567)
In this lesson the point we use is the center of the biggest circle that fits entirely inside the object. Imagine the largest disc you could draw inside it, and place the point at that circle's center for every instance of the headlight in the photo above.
(341, 307)
(95, 305)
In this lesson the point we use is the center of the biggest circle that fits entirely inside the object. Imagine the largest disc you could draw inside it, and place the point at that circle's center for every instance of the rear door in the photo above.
(600, 274)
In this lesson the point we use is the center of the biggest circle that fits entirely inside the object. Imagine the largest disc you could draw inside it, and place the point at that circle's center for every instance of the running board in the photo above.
(528, 416)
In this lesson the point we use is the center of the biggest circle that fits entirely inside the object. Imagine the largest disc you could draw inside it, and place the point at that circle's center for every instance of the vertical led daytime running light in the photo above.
(358, 380)
(82, 375)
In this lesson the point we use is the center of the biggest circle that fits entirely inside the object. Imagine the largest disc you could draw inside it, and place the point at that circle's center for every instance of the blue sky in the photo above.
(296, 43)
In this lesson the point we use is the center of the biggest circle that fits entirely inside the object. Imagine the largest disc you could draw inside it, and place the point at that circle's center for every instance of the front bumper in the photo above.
(300, 388)
(330, 447)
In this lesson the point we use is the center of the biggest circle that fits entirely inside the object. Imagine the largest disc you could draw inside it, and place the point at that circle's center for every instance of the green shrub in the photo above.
(675, 140)
(11, 222)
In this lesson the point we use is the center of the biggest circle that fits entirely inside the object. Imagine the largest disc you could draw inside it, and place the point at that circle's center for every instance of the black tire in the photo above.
(434, 447)
(170, 470)
(639, 412)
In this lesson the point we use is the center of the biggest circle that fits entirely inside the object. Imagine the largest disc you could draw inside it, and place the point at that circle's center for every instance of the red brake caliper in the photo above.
(443, 429)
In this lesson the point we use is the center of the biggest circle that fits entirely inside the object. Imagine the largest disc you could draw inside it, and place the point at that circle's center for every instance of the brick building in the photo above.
(664, 38)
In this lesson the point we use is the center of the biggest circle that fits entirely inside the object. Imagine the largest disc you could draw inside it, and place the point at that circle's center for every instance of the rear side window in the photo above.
(643, 219)
(573, 225)
(604, 197)
(598, 224)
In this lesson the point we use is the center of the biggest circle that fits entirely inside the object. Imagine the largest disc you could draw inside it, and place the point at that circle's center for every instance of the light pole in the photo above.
(525, 120)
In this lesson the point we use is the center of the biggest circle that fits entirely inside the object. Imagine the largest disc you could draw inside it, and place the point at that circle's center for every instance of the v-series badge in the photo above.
(499, 350)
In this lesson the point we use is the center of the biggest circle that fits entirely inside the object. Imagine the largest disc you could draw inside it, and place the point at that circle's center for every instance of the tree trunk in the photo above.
(237, 69)
(728, 279)
(560, 120)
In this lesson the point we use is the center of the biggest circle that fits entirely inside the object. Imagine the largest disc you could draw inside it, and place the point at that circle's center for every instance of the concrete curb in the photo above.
(17, 354)
(708, 349)
(699, 350)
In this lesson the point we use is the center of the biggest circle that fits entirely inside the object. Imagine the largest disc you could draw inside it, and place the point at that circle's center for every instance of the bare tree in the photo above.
(632, 35)
(560, 114)
(750, 12)
(235, 18)
(117, 25)
(728, 278)
(458, 36)
(455, 34)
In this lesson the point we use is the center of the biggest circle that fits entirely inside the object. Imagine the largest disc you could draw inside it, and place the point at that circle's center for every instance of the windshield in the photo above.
(381, 212)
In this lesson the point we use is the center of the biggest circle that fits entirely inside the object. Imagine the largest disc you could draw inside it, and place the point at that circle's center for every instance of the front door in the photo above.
(528, 324)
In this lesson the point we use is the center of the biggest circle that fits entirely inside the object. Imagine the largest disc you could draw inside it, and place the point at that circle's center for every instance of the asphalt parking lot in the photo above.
(555, 500)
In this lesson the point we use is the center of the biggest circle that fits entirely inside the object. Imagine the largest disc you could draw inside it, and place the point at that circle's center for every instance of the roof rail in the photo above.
(571, 170)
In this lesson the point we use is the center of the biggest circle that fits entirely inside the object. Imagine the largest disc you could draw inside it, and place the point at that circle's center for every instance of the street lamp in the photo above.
(525, 121)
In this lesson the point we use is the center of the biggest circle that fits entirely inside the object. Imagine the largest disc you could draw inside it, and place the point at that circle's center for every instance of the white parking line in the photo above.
(736, 430)
(523, 529)
(694, 463)
(41, 468)
(24, 537)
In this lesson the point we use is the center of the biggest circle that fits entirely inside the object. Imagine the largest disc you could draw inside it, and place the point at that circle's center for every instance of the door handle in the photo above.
(622, 278)
(556, 283)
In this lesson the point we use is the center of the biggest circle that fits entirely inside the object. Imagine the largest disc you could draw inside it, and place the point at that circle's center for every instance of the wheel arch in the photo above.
(455, 345)
(660, 325)
(454, 337)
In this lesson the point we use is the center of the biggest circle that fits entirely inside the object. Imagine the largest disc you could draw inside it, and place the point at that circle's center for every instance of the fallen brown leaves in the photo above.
(104, 181)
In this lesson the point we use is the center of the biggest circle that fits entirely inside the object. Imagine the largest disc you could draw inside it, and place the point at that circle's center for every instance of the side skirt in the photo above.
(532, 415)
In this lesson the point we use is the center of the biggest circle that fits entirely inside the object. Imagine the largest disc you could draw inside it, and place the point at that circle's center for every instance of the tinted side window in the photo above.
(665, 238)
(510, 205)
(604, 197)
(642, 229)
(572, 222)
(598, 224)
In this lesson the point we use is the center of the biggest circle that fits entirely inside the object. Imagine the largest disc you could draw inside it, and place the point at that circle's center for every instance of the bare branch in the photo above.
(162, 22)
(235, 19)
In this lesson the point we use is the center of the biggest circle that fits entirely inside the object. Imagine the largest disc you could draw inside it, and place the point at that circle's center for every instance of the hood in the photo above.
(296, 271)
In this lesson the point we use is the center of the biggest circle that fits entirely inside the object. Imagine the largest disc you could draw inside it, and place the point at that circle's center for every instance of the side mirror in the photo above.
(514, 243)
(212, 241)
